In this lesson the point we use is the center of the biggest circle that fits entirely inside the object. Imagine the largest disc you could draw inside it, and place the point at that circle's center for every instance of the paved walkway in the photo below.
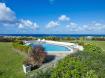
(50, 64)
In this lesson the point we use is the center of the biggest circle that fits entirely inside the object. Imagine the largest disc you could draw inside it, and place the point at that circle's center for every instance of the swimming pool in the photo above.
(52, 47)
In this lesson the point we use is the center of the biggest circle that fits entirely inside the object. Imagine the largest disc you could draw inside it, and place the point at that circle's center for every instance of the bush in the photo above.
(20, 47)
(6, 39)
(70, 67)
(40, 73)
(81, 43)
(92, 49)
(36, 55)
(91, 74)
(87, 64)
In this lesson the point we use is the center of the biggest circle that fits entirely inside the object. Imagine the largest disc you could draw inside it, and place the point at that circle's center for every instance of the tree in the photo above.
(36, 55)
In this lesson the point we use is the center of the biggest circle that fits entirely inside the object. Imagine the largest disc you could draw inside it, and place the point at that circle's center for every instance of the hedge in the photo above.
(21, 47)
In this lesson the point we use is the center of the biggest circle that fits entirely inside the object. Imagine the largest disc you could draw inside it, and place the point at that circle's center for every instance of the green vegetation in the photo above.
(10, 62)
(34, 56)
(100, 44)
(40, 73)
(72, 67)
(15, 38)
(19, 47)
(87, 64)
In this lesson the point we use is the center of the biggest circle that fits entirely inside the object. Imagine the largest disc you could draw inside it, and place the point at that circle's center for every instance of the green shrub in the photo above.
(91, 48)
(87, 64)
(40, 73)
(20, 47)
(70, 67)
(91, 74)
(81, 43)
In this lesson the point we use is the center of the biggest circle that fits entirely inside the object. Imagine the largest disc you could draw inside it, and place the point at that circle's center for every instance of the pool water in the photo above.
(52, 47)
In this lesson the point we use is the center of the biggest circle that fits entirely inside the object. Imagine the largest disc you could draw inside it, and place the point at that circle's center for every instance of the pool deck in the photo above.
(59, 54)
(72, 46)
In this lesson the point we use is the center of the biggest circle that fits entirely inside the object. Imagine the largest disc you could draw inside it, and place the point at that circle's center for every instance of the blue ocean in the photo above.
(55, 35)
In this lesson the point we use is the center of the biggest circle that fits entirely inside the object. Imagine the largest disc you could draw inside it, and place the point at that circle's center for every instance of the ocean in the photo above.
(55, 35)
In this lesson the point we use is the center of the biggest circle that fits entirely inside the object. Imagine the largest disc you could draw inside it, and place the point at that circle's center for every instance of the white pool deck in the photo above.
(72, 46)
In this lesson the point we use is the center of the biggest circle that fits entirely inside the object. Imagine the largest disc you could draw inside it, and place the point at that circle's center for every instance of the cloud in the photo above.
(6, 14)
(63, 18)
(71, 24)
(98, 24)
(72, 27)
(27, 24)
(92, 28)
(52, 24)
(8, 18)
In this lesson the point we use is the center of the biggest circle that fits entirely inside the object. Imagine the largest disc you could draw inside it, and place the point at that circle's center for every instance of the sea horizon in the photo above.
(56, 35)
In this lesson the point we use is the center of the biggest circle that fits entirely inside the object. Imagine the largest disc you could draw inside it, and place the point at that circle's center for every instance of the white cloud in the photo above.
(6, 14)
(27, 24)
(98, 24)
(8, 18)
(52, 24)
(71, 24)
(63, 18)
(94, 28)
(72, 27)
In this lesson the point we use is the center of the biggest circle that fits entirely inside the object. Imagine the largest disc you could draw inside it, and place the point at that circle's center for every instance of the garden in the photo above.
(89, 63)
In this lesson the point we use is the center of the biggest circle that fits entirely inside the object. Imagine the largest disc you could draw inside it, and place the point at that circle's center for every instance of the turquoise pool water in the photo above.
(52, 47)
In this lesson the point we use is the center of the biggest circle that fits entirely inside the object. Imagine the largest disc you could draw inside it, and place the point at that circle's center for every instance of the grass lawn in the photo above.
(99, 44)
(10, 62)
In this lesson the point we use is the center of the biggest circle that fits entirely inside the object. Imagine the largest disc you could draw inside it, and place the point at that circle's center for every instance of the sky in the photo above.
(52, 16)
